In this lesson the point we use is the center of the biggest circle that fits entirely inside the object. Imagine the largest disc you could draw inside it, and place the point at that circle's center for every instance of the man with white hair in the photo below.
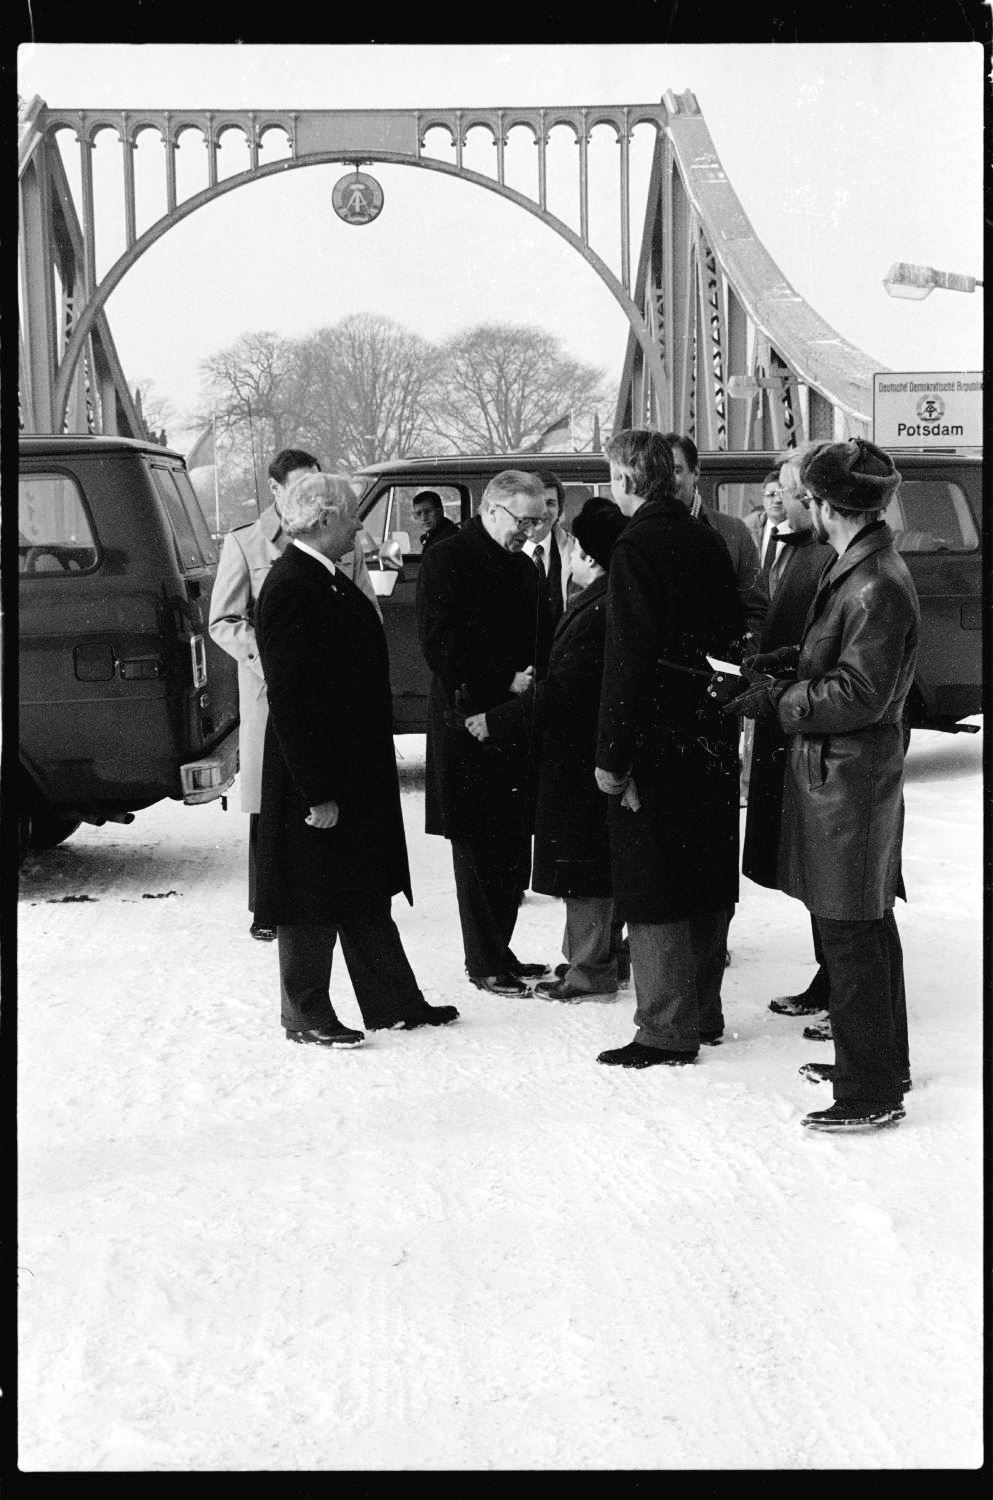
(485, 633)
(331, 850)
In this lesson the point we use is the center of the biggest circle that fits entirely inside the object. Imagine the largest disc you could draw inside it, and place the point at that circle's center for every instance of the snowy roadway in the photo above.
(473, 1248)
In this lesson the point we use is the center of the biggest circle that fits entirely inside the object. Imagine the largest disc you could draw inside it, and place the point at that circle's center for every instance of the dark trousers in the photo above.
(491, 876)
(381, 976)
(253, 834)
(864, 962)
(677, 969)
(819, 989)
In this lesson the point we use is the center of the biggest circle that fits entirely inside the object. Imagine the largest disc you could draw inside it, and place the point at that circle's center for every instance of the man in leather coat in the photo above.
(842, 817)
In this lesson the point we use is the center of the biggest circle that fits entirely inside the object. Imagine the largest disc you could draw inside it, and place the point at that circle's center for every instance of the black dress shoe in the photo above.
(262, 934)
(712, 1038)
(637, 1055)
(431, 1015)
(817, 1072)
(529, 971)
(500, 984)
(854, 1114)
(819, 1032)
(797, 1005)
(333, 1035)
(557, 989)
(561, 970)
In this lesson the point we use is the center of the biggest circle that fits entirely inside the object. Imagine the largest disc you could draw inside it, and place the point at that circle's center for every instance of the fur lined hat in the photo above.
(854, 476)
(597, 526)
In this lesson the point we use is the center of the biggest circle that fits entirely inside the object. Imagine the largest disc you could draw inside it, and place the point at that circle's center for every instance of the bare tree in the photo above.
(157, 411)
(365, 389)
(255, 390)
(498, 385)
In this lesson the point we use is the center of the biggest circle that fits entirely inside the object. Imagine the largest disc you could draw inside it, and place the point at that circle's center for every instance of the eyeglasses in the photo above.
(770, 493)
(526, 523)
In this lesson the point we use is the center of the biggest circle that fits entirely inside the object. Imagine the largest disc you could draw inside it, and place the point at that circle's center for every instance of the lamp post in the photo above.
(918, 282)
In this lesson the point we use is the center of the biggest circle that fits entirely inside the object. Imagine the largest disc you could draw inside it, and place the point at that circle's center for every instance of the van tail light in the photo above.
(198, 655)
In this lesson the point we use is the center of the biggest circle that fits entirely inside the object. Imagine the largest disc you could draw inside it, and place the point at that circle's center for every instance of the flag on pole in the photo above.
(203, 453)
(596, 446)
(550, 439)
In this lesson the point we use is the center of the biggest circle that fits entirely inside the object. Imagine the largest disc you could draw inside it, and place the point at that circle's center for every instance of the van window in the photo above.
(740, 498)
(191, 504)
(188, 553)
(391, 515)
(931, 515)
(55, 536)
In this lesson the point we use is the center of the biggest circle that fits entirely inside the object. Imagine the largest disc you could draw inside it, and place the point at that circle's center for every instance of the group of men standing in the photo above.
(825, 673)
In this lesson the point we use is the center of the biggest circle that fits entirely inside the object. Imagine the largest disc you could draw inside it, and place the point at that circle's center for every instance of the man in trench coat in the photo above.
(842, 818)
(331, 850)
(247, 554)
(665, 756)
(485, 634)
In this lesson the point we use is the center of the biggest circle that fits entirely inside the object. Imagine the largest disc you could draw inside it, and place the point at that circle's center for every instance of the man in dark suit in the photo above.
(485, 634)
(737, 538)
(664, 757)
(331, 850)
(794, 573)
(550, 548)
(429, 512)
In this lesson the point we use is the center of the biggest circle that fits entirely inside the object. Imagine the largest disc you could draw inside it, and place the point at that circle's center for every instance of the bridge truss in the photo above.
(720, 345)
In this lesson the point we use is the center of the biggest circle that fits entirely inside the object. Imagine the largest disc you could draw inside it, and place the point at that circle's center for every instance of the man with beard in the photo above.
(842, 819)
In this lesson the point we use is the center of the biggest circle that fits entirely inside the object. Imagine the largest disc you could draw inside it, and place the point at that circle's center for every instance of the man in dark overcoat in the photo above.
(664, 756)
(798, 559)
(485, 633)
(331, 850)
(571, 848)
(842, 818)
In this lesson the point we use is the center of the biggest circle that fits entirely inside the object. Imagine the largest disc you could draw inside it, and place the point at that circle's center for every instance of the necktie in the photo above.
(771, 548)
(539, 562)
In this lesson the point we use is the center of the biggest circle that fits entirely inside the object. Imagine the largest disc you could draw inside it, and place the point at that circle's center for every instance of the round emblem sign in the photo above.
(357, 198)
(930, 408)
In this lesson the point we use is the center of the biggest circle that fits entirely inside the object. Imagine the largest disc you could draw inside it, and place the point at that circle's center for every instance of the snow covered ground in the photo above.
(473, 1248)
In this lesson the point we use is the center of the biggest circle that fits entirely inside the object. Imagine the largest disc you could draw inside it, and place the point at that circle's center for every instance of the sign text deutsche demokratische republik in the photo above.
(936, 409)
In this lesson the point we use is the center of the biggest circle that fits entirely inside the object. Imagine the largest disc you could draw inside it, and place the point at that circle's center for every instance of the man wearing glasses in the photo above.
(842, 820)
(771, 513)
(485, 632)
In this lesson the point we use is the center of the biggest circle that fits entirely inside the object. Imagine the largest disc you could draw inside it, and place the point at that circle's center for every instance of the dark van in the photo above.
(124, 698)
(936, 517)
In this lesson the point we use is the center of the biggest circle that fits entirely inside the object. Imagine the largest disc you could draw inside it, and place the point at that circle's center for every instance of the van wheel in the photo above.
(47, 829)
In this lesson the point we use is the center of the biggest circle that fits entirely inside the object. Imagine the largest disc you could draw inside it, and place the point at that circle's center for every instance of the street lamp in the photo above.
(918, 282)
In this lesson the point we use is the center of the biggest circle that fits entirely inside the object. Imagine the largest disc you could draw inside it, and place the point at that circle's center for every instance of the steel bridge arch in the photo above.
(111, 280)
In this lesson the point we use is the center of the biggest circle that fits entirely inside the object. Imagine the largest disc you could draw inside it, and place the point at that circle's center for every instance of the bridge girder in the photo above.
(707, 307)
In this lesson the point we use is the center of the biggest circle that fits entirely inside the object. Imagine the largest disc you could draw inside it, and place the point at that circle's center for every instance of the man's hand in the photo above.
(522, 681)
(759, 701)
(477, 726)
(630, 798)
(324, 815)
(611, 784)
(781, 663)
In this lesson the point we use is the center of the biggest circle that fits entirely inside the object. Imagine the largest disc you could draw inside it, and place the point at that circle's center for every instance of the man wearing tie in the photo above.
(550, 548)
(769, 514)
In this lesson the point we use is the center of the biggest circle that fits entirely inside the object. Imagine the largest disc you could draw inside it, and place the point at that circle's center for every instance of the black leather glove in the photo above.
(779, 663)
(455, 717)
(759, 700)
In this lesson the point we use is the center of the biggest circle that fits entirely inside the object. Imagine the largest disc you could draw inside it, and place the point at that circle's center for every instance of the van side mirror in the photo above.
(391, 552)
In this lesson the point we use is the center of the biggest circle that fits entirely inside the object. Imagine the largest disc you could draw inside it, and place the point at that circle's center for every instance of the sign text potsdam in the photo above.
(941, 409)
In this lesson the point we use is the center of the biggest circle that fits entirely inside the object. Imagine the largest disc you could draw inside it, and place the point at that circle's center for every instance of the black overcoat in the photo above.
(571, 848)
(480, 621)
(329, 737)
(671, 598)
(794, 594)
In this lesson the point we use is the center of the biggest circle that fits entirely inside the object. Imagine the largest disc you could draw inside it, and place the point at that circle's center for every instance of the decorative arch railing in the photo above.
(706, 306)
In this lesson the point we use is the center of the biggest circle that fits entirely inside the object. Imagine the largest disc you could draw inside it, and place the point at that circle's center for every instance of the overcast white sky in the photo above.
(845, 158)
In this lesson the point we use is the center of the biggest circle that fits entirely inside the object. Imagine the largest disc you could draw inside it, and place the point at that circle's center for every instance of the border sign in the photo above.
(941, 409)
(357, 198)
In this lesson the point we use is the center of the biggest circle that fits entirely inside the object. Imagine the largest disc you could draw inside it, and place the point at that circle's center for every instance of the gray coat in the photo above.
(842, 821)
(246, 557)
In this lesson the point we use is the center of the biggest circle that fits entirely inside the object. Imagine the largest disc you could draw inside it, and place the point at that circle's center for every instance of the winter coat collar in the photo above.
(878, 540)
(591, 593)
(652, 509)
(270, 523)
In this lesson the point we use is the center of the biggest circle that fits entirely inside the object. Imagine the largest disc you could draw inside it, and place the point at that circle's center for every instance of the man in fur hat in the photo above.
(842, 815)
